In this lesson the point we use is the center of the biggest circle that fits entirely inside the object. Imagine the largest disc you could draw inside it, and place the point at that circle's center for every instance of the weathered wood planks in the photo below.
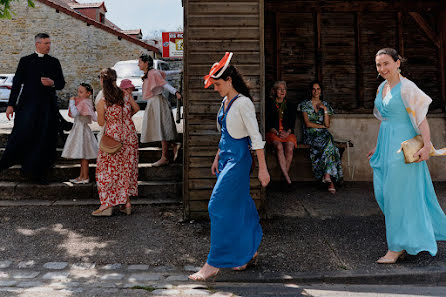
(336, 41)
(211, 29)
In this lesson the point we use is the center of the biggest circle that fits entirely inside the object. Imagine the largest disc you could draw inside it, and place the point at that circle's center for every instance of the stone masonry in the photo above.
(82, 49)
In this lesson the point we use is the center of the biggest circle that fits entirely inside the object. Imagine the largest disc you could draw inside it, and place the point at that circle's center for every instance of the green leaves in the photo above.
(5, 8)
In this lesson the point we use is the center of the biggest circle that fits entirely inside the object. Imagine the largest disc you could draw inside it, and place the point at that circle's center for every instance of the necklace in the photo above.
(281, 107)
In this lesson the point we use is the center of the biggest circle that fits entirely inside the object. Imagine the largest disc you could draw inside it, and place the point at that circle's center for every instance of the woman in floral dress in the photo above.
(324, 155)
(117, 174)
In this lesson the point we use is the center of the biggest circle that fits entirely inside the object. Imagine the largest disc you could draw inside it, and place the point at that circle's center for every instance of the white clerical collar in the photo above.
(39, 54)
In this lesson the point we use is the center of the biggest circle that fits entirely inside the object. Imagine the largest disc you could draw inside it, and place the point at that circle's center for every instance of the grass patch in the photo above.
(211, 289)
(146, 288)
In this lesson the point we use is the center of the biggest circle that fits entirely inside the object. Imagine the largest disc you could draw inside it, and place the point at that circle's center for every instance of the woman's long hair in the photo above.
(310, 89)
(112, 94)
(147, 59)
(238, 82)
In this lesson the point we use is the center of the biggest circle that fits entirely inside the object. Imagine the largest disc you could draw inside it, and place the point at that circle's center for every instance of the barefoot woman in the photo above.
(235, 229)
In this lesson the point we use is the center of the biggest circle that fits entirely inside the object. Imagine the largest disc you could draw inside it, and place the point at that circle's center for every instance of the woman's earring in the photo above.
(399, 70)
(378, 75)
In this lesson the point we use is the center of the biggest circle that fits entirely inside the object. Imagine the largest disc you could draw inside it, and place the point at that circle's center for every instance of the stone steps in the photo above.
(156, 191)
(159, 185)
(146, 155)
(4, 140)
(64, 172)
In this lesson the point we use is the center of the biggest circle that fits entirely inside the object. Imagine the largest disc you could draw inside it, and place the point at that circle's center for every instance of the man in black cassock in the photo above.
(33, 140)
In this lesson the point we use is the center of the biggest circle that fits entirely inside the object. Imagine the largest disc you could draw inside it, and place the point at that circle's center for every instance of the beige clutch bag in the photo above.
(410, 147)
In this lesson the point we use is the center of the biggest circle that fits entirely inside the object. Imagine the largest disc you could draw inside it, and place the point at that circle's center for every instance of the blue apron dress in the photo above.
(404, 192)
(235, 229)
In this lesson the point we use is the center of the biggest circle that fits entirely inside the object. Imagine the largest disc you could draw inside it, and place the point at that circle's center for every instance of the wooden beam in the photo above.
(359, 68)
(400, 36)
(426, 28)
(278, 41)
(318, 45)
(442, 30)
(186, 77)
(354, 6)
(262, 92)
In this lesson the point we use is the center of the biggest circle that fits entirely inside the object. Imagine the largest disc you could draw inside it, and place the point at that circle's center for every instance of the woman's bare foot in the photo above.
(176, 149)
(161, 162)
(206, 272)
(287, 178)
(331, 188)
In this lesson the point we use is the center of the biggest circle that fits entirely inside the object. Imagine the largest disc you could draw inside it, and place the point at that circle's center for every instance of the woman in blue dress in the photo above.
(404, 192)
(235, 229)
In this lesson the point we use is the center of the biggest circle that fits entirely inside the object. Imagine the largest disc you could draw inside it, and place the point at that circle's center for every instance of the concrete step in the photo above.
(4, 140)
(146, 155)
(155, 191)
(64, 172)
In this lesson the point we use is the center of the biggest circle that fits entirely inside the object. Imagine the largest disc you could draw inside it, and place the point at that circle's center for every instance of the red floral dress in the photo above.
(117, 174)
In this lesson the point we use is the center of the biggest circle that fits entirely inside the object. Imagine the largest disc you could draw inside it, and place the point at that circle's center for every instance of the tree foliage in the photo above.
(5, 8)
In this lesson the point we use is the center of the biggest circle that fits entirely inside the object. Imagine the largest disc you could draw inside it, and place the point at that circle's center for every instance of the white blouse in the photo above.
(241, 121)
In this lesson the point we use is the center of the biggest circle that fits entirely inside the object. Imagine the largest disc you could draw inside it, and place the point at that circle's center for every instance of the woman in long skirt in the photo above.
(235, 230)
(404, 192)
(158, 123)
(116, 174)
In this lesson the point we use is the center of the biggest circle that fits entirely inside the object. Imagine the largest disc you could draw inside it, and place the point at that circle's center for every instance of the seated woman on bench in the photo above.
(324, 155)
(280, 120)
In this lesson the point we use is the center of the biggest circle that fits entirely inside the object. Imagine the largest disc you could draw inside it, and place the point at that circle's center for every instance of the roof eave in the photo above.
(99, 25)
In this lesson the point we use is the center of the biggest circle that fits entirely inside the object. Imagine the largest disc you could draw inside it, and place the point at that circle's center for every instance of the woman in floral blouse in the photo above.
(324, 155)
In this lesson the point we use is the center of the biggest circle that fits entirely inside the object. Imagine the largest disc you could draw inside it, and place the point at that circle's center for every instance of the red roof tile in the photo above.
(132, 32)
(87, 5)
(61, 5)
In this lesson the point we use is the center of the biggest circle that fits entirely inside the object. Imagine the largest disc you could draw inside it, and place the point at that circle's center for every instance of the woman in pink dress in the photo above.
(116, 174)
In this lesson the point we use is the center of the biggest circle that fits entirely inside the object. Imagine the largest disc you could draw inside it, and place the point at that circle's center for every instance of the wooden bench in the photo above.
(300, 169)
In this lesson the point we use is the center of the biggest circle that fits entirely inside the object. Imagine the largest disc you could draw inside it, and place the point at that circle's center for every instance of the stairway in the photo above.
(156, 185)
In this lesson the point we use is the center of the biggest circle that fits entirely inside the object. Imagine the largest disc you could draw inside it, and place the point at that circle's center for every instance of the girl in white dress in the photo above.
(81, 143)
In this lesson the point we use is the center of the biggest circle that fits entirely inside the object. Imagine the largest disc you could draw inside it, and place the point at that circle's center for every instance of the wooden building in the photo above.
(299, 41)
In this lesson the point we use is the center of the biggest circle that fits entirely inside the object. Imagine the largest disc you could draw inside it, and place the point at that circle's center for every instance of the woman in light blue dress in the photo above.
(404, 192)
(235, 229)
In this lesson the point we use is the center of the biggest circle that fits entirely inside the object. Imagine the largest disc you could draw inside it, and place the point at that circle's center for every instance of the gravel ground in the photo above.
(156, 236)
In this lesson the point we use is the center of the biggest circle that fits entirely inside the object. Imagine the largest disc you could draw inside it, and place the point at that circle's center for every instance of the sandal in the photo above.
(125, 209)
(326, 180)
(253, 261)
(102, 212)
(332, 189)
(199, 277)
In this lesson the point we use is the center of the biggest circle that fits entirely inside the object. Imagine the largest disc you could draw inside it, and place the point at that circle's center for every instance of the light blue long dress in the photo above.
(404, 192)
(235, 229)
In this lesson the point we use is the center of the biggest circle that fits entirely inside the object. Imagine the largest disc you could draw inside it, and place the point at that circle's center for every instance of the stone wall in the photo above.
(82, 50)
(175, 79)
(362, 130)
